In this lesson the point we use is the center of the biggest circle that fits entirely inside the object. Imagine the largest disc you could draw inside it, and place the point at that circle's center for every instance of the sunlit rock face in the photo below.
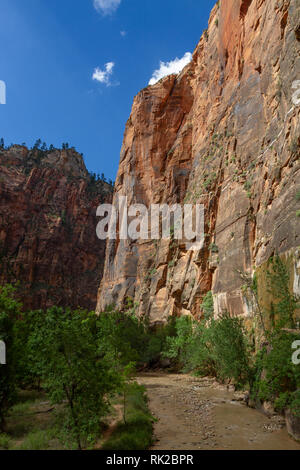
(224, 133)
(48, 227)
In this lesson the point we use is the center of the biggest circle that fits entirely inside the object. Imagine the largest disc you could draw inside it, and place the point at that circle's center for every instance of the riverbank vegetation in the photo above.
(68, 370)
(226, 349)
(78, 365)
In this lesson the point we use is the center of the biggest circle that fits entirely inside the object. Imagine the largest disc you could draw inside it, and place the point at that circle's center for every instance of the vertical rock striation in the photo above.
(224, 133)
(48, 237)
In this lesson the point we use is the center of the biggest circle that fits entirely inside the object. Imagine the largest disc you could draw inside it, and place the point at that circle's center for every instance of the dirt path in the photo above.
(196, 413)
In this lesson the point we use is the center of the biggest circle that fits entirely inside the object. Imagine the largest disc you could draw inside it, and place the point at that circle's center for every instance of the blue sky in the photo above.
(52, 49)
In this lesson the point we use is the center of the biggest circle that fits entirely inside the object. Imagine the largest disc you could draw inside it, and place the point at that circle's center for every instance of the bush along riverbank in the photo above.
(84, 365)
(259, 361)
(79, 368)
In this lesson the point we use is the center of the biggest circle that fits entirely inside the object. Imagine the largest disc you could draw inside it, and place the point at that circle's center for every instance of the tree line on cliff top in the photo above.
(43, 149)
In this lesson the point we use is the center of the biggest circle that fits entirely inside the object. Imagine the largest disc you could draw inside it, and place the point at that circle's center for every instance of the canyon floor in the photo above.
(197, 413)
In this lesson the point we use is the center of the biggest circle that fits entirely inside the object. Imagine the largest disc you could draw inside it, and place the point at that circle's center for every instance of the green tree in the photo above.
(178, 346)
(215, 347)
(9, 311)
(74, 370)
(37, 144)
(125, 334)
(230, 349)
(208, 306)
(277, 378)
(25, 360)
(285, 303)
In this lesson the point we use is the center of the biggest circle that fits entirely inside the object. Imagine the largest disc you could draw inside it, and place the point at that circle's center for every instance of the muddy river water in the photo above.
(195, 413)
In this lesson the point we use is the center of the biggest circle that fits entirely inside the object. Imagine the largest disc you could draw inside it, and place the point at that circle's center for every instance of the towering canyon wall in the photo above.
(48, 237)
(224, 133)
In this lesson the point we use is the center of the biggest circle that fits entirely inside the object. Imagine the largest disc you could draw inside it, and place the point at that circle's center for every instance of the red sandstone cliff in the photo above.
(48, 227)
(225, 133)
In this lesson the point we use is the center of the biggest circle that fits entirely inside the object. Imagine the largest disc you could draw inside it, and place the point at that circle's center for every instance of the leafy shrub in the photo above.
(136, 433)
(277, 378)
(73, 370)
(9, 312)
(214, 248)
(208, 306)
(36, 440)
(200, 356)
(178, 346)
(285, 302)
(218, 347)
(131, 339)
(230, 349)
(4, 442)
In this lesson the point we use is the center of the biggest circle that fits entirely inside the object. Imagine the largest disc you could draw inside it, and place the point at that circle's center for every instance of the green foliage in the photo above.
(218, 347)
(208, 306)
(230, 349)
(285, 302)
(82, 360)
(130, 339)
(4, 442)
(96, 184)
(136, 432)
(74, 369)
(214, 248)
(277, 378)
(126, 387)
(199, 355)
(36, 440)
(79, 359)
(177, 347)
(248, 185)
(9, 312)
(25, 360)
(123, 334)
(37, 144)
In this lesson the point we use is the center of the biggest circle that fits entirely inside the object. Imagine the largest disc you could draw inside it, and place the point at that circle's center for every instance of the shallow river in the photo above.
(196, 413)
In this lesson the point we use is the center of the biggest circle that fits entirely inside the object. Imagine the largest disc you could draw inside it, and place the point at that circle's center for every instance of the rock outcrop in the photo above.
(224, 133)
(48, 238)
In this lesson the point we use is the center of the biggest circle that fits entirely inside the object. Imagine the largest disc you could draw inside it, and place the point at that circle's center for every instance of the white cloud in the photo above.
(104, 76)
(107, 7)
(173, 67)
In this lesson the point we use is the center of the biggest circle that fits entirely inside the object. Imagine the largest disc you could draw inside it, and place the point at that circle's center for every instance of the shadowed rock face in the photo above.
(48, 223)
(224, 133)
